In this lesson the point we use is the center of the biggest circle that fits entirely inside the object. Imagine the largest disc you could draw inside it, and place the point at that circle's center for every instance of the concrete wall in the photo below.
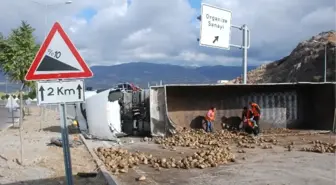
(306, 106)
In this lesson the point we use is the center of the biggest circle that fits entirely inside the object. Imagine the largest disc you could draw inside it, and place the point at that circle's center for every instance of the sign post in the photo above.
(28, 103)
(215, 32)
(55, 64)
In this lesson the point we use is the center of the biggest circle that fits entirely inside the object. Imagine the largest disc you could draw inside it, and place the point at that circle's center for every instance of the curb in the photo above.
(101, 166)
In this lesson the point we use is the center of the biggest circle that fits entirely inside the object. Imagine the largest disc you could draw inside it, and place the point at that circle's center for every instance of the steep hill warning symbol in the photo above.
(51, 64)
(58, 59)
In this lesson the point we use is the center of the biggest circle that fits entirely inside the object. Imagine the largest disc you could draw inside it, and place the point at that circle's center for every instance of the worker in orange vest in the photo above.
(246, 113)
(210, 118)
(256, 113)
(248, 125)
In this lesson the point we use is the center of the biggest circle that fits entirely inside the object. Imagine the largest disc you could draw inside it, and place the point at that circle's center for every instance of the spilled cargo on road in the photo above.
(287, 105)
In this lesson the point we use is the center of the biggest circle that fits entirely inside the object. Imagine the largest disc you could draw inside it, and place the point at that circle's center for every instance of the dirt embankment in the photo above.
(304, 64)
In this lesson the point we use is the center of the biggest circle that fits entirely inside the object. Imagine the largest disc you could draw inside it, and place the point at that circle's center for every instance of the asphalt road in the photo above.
(5, 121)
(6, 116)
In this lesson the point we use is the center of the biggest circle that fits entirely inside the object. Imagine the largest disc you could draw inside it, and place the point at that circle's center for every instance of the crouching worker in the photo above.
(248, 123)
(210, 118)
(256, 113)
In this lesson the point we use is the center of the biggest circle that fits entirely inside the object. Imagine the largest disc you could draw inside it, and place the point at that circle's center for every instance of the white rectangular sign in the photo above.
(60, 92)
(215, 27)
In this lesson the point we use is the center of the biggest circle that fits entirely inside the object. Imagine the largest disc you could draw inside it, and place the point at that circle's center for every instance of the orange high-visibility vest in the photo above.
(248, 116)
(254, 107)
(210, 116)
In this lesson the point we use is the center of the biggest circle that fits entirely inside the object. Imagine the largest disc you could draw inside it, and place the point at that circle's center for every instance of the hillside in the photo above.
(142, 73)
(305, 63)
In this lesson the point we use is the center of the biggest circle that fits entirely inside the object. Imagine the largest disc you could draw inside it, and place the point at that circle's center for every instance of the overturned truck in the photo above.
(287, 105)
(108, 114)
(163, 110)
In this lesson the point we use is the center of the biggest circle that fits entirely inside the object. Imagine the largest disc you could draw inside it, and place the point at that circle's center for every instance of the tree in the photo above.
(17, 52)
(32, 94)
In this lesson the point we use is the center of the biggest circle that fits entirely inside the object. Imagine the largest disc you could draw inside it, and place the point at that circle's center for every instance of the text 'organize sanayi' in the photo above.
(216, 22)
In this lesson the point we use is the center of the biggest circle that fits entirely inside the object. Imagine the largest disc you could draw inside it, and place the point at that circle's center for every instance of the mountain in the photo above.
(305, 63)
(142, 73)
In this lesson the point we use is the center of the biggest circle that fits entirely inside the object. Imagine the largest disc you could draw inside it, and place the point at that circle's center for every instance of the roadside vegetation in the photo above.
(17, 52)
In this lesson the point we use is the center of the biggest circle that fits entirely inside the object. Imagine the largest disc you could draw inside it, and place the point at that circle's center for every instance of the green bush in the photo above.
(14, 96)
(3, 97)
(7, 96)
(32, 94)
(25, 96)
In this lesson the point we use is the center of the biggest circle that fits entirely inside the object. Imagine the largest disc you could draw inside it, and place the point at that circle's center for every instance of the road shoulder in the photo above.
(42, 164)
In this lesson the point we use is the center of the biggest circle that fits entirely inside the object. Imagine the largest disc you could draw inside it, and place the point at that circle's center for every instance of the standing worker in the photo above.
(256, 113)
(210, 118)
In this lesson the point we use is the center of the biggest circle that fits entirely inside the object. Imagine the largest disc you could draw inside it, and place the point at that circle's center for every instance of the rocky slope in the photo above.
(304, 64)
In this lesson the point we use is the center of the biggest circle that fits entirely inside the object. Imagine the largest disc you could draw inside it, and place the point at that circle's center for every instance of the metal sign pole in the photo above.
(244, 54)
(245, 46)
(65, 144)
(55, 91)
(210, 35)
(42, 115)
(12, 111)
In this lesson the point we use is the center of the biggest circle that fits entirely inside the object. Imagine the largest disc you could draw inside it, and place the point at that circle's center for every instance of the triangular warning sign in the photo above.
(58, 58)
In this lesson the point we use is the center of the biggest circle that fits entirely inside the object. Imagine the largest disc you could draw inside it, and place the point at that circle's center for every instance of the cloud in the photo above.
(118, 31)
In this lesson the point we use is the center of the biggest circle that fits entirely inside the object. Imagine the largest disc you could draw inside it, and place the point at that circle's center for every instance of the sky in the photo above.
(110, 32)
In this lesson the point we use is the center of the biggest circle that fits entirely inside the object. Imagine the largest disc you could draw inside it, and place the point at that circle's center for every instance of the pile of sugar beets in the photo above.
(321, 147)
(212, 151)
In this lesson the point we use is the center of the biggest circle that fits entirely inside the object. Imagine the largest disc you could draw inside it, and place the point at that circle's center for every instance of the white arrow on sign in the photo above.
(60, 92)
